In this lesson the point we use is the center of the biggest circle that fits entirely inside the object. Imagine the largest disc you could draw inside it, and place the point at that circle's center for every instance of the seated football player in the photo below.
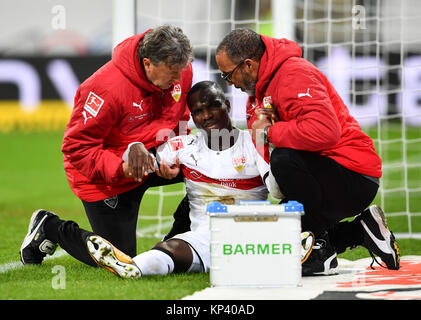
(219, 163)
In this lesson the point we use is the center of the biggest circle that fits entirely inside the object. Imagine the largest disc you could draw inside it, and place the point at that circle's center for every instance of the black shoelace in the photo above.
(375, 260)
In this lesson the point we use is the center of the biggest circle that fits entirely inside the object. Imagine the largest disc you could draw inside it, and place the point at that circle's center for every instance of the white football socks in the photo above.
(154, 262)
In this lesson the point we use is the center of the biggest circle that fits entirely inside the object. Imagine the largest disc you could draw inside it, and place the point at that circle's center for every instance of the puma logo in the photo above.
(194, 158)
(138, 105)
(85, 116)
(300, 95)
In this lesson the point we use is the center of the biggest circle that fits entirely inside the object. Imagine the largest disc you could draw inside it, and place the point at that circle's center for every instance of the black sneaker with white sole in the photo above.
(35, 245)
(378, 239)
(322, 259)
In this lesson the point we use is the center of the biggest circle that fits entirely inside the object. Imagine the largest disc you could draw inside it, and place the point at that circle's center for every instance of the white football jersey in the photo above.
(228, 176)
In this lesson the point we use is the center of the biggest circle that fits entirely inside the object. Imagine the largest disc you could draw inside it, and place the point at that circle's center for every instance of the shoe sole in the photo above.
(30, 235)
(110, 258)
(304, 259)
(328, 271)
(385, 248)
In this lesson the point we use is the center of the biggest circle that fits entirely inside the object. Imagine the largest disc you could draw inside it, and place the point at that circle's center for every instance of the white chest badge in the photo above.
(93, 103)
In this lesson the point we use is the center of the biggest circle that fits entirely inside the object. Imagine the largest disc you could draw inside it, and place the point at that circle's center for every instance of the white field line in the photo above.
(141, 232)
(60, 252)
(17, 264)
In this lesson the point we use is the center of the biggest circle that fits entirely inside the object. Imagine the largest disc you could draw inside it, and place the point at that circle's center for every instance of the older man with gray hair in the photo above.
(138, 96)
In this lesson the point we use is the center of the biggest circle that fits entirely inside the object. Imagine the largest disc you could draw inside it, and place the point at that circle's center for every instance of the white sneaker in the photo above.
(109, 257)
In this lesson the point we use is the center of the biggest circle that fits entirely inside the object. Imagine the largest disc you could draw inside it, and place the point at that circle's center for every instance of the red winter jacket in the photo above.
(117, 105)
(313, 116)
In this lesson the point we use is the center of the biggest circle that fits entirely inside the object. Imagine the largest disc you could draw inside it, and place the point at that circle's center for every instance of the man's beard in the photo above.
(249, 84)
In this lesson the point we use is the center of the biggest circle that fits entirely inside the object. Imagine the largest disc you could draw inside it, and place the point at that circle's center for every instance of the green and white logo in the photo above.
(257, 249)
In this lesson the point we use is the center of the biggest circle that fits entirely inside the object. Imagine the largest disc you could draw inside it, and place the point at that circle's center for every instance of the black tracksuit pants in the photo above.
(328, 191)
(114, 219)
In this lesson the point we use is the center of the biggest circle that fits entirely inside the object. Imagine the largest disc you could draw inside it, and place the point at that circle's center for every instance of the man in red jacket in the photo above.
(138, 96)
(321, 156)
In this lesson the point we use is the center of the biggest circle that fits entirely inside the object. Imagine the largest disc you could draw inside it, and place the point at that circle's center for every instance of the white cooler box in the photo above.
(255, 244)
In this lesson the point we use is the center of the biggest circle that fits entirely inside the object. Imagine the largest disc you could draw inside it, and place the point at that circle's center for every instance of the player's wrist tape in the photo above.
(125, 156)
(265, 134)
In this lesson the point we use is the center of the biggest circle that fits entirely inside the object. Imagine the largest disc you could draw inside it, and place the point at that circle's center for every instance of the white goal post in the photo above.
(369, 49)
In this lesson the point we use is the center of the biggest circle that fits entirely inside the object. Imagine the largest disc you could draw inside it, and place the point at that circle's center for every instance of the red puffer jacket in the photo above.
(313, 116)
(117, 105)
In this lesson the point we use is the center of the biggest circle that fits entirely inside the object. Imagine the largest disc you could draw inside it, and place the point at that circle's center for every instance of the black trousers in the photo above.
(328, 191)
(114, 219)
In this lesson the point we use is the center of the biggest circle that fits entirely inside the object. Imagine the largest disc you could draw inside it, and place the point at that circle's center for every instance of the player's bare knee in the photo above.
(179, 251)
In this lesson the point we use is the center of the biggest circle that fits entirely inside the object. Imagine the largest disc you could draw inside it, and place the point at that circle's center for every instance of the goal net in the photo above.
(369, 49)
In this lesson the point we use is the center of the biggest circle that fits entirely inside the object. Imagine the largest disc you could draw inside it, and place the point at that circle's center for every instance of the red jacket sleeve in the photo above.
(83, 143)
(308, 118)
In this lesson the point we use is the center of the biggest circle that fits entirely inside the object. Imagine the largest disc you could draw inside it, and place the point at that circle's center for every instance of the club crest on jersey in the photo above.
(176, 144)
(267, 102)
(93, 104)
(239, 163)
(176, 92)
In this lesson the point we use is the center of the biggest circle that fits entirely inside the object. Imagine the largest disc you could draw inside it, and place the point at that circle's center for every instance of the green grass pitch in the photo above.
(32, 177)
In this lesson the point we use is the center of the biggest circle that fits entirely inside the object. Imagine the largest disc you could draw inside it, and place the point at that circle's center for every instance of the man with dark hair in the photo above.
(139, 96)
(321, 156)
